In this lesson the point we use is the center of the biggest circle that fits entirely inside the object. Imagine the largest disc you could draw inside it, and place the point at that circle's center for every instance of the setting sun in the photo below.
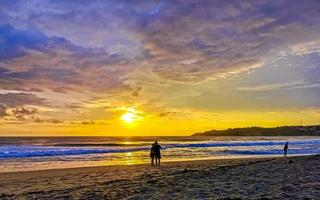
(131, 115)
(128, 117)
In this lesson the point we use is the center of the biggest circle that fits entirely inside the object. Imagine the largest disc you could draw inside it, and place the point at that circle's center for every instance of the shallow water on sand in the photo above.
(27, 154)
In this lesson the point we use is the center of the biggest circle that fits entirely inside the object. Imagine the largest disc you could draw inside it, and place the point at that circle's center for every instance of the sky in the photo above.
(171, 67)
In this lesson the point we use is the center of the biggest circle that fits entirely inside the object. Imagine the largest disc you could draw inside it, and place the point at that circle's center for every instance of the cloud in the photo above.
(135, 93)
(88, 122)
(3, 111)
(183, 41)
(91, 122)
(30, 60)
(165, 114)
(278, 86)
(19, 99)
(213, 38)
(274, 86)
(13, 41)
(305, 86)
(222, 37)
(52, 121)
(151, 53)
(21, 106)
(22, 113)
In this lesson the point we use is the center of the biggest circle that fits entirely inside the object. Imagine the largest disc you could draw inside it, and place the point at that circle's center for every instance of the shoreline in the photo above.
(164, 163)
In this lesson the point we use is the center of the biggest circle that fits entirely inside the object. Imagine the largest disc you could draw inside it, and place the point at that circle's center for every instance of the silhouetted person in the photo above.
(285, 149)
(157, 154)
(152, 153)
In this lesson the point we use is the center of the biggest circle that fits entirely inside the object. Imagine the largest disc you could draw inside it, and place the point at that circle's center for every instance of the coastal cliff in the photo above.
(260, 131)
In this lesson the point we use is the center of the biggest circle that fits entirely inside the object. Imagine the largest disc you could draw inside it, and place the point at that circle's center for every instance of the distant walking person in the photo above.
(157, 154)
(285, 148)
(152, 153)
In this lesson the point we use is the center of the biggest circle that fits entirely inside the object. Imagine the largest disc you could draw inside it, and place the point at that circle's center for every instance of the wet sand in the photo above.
(267, 178)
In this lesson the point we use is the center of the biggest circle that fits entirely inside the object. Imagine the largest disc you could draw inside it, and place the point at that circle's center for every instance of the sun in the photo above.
(131, 115)
(128, 117)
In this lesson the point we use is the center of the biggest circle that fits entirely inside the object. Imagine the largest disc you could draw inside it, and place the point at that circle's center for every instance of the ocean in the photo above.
(39, 153)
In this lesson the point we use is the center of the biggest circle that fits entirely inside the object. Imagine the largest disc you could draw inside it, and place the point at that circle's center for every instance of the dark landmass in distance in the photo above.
(260, 131)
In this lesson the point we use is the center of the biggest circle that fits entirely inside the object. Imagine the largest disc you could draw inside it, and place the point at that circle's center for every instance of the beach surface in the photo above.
(254, 178)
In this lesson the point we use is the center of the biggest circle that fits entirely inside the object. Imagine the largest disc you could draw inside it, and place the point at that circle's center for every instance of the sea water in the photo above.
(39, 153)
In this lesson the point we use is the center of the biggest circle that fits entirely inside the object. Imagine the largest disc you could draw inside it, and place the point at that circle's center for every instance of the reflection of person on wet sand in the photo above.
(285, 149)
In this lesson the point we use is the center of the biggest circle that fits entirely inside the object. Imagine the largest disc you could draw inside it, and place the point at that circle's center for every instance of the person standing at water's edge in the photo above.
(152, 153)
(157, 154)
(285, 148)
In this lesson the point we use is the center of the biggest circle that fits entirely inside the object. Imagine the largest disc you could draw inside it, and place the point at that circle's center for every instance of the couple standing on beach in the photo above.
(155, 153)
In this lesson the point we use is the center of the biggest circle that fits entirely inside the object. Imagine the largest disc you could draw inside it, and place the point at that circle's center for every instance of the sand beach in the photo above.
(253, 178)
